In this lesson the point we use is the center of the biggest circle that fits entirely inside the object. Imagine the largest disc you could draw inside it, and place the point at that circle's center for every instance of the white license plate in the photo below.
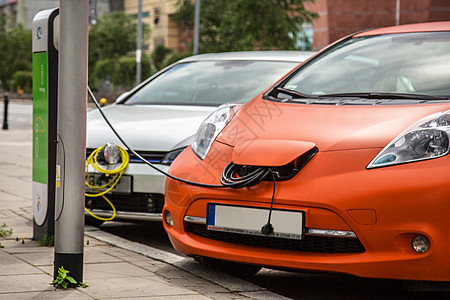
(123, 186)
(249, 220)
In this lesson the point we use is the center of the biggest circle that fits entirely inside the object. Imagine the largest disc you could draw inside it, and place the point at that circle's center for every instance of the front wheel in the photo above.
(232, 268)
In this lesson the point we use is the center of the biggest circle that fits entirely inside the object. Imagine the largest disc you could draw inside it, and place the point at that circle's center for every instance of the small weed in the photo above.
(63, 280)
(1, 246)
(5, 232)
(48, 241)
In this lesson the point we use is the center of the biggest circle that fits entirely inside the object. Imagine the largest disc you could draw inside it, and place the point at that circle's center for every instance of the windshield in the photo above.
(211, 82)
(408, 63)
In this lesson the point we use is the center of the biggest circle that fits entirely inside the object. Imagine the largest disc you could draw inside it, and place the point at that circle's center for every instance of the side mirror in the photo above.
(121, 97)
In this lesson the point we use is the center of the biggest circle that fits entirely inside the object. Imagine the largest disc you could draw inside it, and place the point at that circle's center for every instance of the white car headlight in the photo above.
(211, 127)
(426, 139)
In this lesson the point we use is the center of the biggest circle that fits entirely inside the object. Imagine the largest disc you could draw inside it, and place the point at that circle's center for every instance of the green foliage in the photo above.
(111, 41)
(5, 232)
(113, 36)
(15, 52)
(48, 241)
(119, 72)
(238, 25)
(63, 280)
(159, 54)
(23, 79)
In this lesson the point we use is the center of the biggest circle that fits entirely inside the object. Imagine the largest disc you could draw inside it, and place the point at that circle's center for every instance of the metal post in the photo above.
(196, 26)
(5, 112)
(139, 44)
(71, 140)
(397, 12)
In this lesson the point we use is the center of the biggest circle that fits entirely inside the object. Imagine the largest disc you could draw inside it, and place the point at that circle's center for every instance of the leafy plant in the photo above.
(48, 241)
(63, 280)
(5, 232)
(1, 246)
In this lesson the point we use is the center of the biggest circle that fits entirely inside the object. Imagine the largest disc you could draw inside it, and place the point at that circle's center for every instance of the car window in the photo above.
(211, 82)
(414, 63)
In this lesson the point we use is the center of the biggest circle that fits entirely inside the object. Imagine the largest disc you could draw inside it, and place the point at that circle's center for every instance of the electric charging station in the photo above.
(45, 93)
(59, 130)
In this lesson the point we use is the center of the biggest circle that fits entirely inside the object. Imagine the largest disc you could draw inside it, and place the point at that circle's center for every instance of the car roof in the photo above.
(420, 27)
(294, 56)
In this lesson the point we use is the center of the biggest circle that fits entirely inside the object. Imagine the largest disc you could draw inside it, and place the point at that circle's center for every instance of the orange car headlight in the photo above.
(426, 139)
(211, 127)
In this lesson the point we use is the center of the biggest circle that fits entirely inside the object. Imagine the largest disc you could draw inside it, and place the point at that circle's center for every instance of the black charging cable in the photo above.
(267, 229)
(250, 179)
(230, 176)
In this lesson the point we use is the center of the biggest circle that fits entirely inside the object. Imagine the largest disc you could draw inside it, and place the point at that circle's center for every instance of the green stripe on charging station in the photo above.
(40, 122)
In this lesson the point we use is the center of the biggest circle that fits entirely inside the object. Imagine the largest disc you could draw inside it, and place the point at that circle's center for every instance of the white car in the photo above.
(159, 118)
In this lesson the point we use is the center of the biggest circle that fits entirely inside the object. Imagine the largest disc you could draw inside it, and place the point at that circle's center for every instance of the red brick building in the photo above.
(338, 18)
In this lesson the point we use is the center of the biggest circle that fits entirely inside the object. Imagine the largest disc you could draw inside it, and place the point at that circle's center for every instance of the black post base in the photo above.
(72, 263)
(46, 229)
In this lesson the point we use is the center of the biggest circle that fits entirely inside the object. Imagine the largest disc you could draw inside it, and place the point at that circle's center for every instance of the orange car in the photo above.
(341, 166)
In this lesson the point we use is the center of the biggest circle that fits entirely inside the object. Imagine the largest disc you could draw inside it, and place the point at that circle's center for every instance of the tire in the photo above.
(232, 268)
(88, 220)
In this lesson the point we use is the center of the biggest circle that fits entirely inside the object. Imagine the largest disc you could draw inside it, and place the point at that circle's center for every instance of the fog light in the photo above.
(168, 218)
(420, 244)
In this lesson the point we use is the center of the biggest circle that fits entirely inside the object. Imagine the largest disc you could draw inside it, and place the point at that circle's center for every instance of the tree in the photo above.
(159, 54)
(235, 25)
(113, 37)
(15, 52)
(118, 73)
(3, 49)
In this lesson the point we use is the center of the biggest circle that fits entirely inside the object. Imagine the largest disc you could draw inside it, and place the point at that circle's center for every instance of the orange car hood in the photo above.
(329, 127)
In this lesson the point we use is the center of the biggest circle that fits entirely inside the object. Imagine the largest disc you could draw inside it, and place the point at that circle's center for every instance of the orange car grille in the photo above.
(318, 244)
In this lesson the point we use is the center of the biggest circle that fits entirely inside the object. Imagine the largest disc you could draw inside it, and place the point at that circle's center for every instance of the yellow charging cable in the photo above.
(117, 172)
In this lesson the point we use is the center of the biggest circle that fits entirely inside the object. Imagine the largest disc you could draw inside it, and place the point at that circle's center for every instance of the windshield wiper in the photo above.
(386, 96)
(295, 94)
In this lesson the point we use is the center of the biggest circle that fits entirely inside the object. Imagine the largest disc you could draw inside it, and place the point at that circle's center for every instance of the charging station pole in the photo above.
(71, 140)
(45, 93)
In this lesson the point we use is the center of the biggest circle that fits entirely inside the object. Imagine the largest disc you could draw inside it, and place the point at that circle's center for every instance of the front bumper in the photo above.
(143, 202)
(385, 208)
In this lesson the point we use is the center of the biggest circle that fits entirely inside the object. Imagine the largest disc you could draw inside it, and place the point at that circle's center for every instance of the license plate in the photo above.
(123, 186)
(249, 220)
